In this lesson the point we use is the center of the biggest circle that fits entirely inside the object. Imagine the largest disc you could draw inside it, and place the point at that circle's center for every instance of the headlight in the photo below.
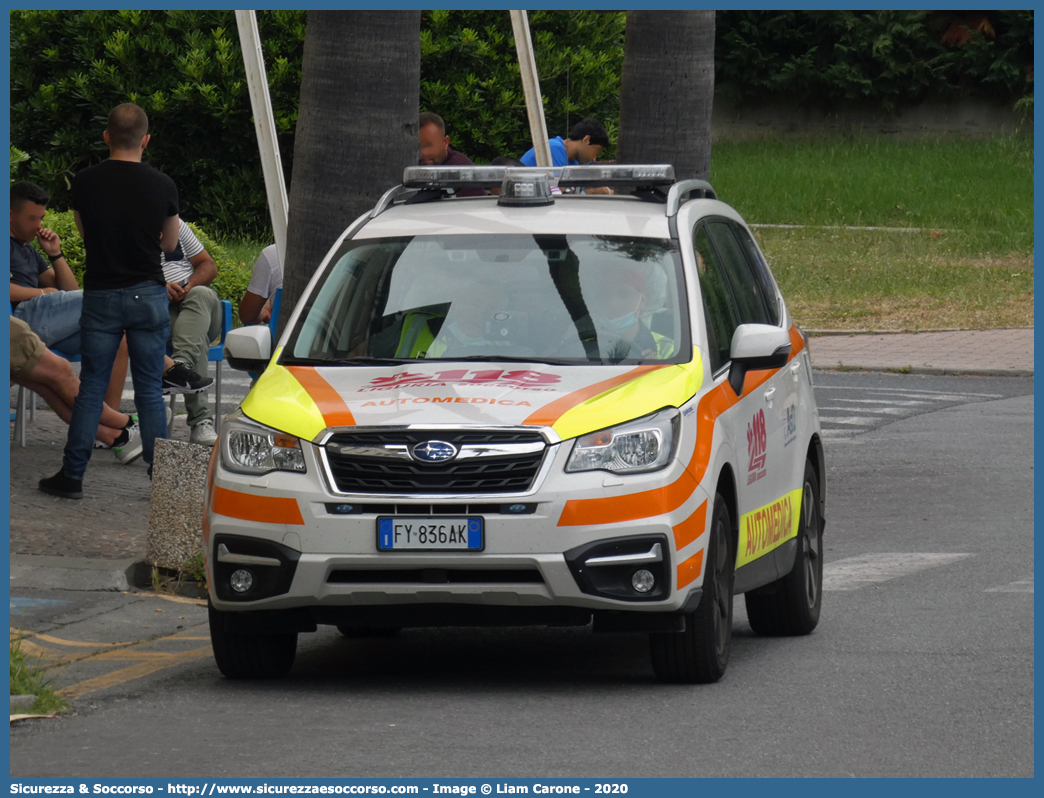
(252, 449)
(643, 445)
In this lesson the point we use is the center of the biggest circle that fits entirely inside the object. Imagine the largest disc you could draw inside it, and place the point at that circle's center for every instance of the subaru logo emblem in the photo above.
(434, 452)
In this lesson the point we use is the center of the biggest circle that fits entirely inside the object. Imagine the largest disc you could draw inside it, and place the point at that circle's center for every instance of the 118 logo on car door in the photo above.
(757, 442)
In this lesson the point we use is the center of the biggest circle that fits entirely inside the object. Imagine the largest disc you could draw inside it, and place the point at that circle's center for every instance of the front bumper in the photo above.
(540, 562)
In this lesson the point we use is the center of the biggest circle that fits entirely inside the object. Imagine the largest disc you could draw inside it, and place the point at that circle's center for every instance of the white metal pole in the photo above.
(264, 126)
(531, 85)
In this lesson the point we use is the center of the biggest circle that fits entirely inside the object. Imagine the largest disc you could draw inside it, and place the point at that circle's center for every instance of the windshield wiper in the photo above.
(551, 361)
(348, 361)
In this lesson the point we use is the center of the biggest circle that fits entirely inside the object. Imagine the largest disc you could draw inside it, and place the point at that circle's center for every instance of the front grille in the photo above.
(513, 473)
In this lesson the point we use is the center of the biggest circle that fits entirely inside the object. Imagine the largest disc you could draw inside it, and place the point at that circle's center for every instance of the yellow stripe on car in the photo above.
(768, 527)
(671, 386)
(279, 401)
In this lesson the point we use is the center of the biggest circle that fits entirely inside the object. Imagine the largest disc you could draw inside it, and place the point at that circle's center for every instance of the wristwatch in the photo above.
(53, 258)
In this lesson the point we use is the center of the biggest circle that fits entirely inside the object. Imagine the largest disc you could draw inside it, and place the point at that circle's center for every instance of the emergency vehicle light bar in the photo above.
(423, 177)
(644, 175)
(468, 176)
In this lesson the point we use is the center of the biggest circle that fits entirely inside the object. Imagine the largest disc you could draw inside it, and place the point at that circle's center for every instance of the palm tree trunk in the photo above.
(356, 129)
(667, 90)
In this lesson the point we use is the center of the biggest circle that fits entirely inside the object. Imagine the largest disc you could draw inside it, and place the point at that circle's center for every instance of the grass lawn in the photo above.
(970, 266)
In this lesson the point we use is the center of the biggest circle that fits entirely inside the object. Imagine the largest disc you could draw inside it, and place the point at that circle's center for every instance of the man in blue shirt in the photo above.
(587, 138)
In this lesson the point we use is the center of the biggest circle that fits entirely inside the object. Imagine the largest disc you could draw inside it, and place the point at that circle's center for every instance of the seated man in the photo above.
(256, 305)
(34, 366)
(47, 296)
(195, 321)
(618, 302)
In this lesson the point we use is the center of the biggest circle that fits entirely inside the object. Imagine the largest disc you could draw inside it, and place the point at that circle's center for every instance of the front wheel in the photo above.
(250, 656)
(700, 654)
(791, 604)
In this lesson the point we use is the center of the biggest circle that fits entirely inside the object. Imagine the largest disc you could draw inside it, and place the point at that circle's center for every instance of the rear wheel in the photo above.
(791, 604)
(250, 656)
(700, 654)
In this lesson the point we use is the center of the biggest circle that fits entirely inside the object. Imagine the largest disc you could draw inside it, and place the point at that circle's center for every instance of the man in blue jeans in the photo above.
(127, 213)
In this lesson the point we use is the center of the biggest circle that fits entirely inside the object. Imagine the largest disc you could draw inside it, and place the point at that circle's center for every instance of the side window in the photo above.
(747, 288)
(761, 272)
(718, 306)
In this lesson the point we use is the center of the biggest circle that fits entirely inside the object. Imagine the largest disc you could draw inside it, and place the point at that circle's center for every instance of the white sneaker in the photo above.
(203, 433)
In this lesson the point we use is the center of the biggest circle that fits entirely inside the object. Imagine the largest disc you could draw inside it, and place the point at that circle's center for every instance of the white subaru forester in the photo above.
(537, 407)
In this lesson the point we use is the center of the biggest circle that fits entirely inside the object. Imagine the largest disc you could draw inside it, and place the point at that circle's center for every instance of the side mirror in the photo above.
(249, 348)
(756, 347)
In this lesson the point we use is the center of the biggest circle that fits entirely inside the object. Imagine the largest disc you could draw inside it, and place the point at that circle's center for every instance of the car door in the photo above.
(765, 471)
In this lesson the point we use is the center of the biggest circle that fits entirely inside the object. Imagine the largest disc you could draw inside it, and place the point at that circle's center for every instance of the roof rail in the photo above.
(682, 187)
(388, 198)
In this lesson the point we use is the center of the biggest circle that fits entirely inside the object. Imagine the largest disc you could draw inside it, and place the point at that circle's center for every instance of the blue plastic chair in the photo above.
(273, 322)
(215, 354)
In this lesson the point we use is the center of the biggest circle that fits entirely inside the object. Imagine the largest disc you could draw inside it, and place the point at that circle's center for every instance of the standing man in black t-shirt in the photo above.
(127, 212)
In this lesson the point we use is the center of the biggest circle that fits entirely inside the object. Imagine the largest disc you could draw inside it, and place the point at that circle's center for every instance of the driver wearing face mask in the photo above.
(619, 301)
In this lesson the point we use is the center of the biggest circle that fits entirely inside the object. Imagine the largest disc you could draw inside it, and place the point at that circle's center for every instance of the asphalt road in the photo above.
(922, 664)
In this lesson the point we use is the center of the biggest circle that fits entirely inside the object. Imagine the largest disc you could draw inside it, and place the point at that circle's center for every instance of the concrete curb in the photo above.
(925, 371)
(829, 333)
(78, 573)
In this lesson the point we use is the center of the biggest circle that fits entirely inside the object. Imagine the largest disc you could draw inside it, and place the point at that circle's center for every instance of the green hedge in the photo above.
(233, 275)
(470, 75)
(185, 68)
(885, 58)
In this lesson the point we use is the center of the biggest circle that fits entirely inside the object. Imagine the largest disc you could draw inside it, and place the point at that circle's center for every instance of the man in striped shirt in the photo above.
(195, 321)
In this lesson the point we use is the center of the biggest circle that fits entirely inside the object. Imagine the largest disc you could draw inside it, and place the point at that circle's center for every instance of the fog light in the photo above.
(242, 580)
(643, 581)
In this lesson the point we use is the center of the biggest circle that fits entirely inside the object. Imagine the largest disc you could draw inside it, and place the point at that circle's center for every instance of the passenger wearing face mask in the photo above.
(618, 304)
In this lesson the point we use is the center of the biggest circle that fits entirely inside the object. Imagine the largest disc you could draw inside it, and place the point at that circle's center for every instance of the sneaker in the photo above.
(133, 422)
(129, 451)
(61, 485)
(181, 379)
(203, 433)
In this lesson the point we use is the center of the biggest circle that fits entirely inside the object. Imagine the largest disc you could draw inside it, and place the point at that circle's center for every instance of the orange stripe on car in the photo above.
(550, 413)
(251, 507)
(690, 569)
(649, 503)
(691, 528)
(208, 499)
(646, 504)
(331, 405)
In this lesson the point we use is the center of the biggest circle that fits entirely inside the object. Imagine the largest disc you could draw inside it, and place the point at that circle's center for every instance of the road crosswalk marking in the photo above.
(863, 411)
(853, 573)
(1021, 586)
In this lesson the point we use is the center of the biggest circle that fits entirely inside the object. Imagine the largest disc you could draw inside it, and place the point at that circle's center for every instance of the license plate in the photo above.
(429, 534)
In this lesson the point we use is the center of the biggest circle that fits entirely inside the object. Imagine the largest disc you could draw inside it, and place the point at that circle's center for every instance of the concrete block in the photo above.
(179, 479)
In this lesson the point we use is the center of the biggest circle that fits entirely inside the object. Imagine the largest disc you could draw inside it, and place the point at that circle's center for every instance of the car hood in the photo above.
(304, 401)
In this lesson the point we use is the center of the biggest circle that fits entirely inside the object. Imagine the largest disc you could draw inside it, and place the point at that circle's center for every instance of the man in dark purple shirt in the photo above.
(436, 151)
(434, 144)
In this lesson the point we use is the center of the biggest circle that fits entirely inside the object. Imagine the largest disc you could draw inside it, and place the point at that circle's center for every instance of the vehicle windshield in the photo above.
(555, 299)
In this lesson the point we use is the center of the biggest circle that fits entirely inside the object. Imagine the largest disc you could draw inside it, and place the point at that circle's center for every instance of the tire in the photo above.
(700, 654)
(250, 656)
(790, 605)
(367, 632)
